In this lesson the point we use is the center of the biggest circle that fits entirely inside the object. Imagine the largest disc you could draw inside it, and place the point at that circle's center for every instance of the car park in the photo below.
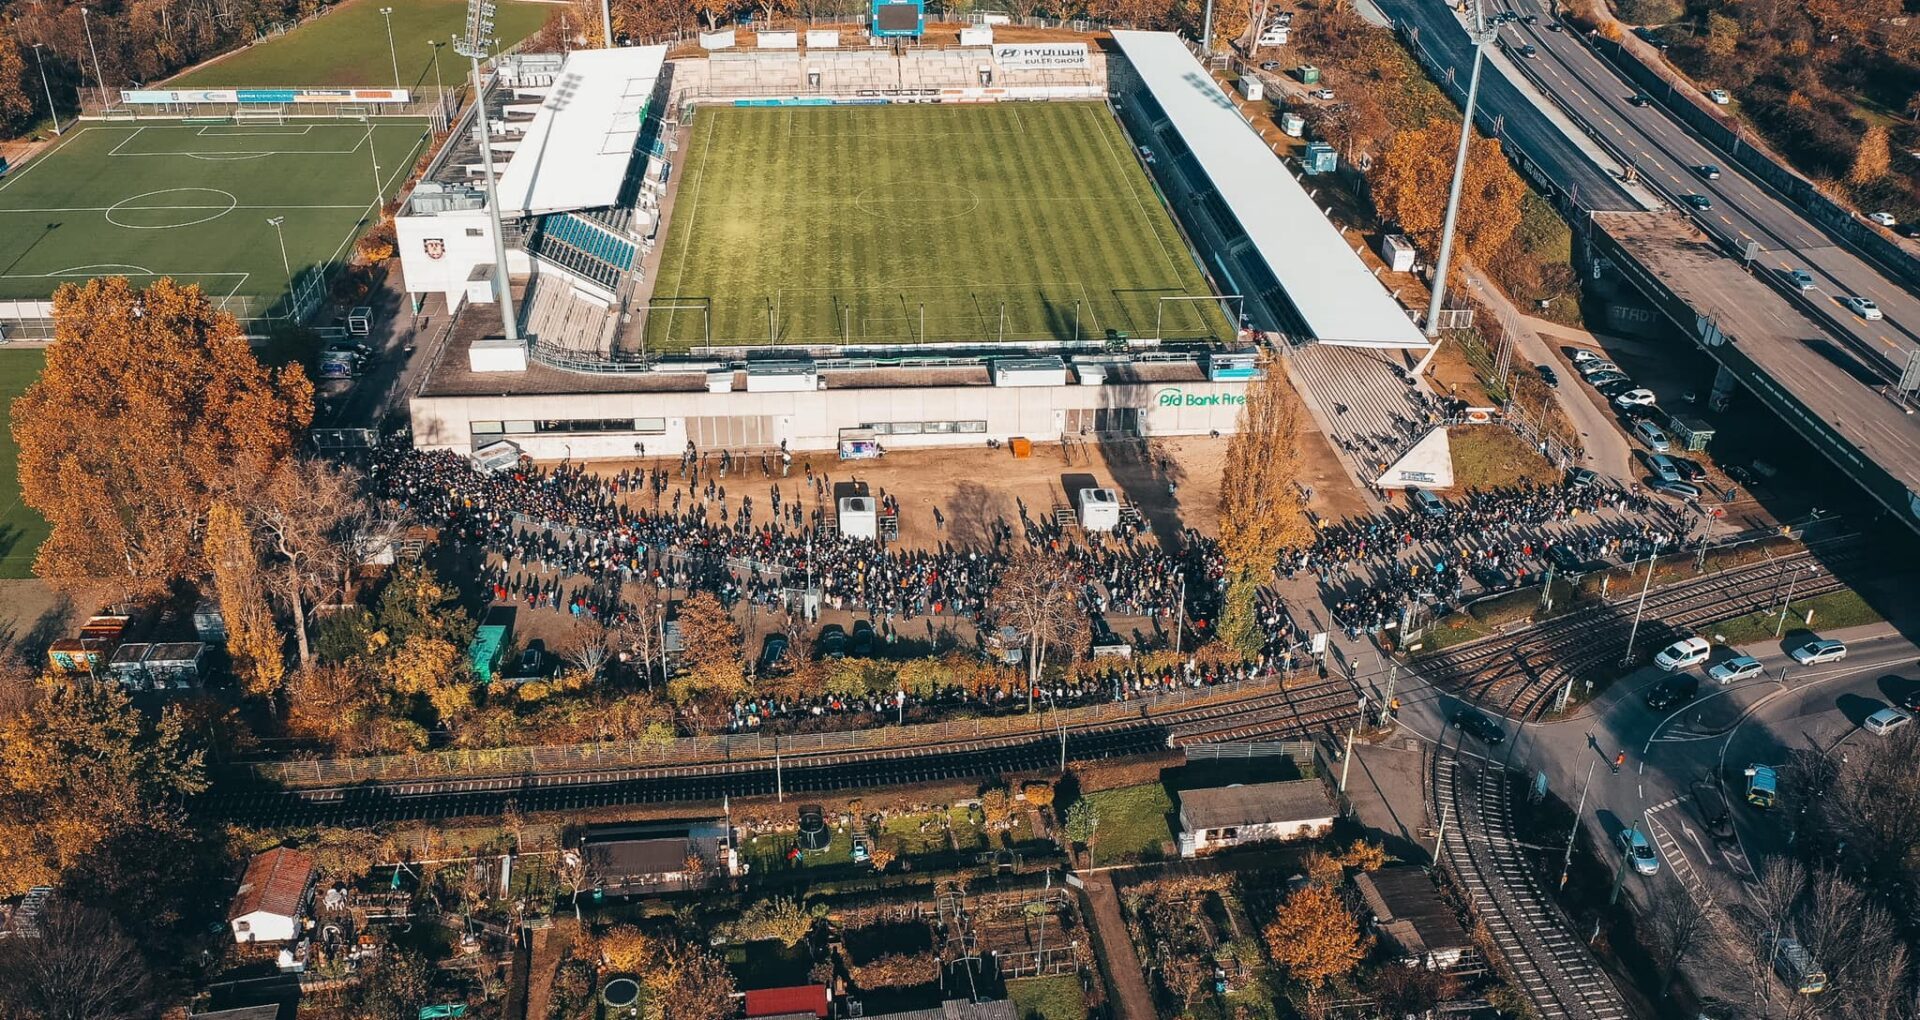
(1885, 219)
(1886, 721)
(1708, 170)
(1672, 693)
(1639, 851)
(1863, 307)
(1824, 650)
(1637, 398)
(1683, 654)
(1651, 434)
(1740, 667)
(1548, 375)
(1480, 727)
(1678, 490)
(1596, 366)
(1801, 279)
(1700, 202)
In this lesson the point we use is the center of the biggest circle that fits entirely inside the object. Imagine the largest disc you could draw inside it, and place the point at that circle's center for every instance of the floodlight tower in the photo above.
(474, 46)
(1481, 37)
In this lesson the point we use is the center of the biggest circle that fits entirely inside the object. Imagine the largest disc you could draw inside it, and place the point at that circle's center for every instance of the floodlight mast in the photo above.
(474, 47)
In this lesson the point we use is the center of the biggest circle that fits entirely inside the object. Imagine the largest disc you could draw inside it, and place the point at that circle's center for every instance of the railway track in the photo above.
(1549, 963)
(1323, 707)
(1520, 674)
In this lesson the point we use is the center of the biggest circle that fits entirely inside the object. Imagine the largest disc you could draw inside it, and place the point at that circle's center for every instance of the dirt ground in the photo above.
(33, 614)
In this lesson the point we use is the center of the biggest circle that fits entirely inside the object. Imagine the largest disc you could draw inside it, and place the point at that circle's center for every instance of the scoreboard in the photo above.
(894, 18)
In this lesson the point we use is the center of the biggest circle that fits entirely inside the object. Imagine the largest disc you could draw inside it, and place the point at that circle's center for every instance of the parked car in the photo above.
(1479, 726)
(1600, 379)
(1801, 279)
(1663, 467)
(1700, 202)
(1426, 502)
(1548, 375)
(1595, 366)
(771, 652)
(1582, 477)
(1639, 851)
(1885, 219)
(1270, 65)
(1863, 307)
(1324, 95)
(1672, 693)
(1651, 434)
(1678, 490)
(1584, 357)
(1740, 667)
(1824, 650)
(1708, 170)
(1685, 653)
(832, 642)
(1690, 470)
(1886, 721)
(1146, 155)
(1637, 398)
(1720, 97)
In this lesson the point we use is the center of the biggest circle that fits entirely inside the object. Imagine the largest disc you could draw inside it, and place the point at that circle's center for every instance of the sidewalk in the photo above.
(1132, 1000)
(1387, 788)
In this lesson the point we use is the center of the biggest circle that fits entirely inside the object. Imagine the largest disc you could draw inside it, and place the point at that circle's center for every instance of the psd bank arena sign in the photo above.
(1173, 396)
(1040, 56)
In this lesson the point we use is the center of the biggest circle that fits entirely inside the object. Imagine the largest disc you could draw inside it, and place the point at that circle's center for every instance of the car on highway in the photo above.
(1801, 279)
(1672, 693)
(1700, 202)
(1599, 379)
(1479, 727)
(1651, 434)
(1720, 97)
(1640, 99)
(1863, 307)
(1740, 667)
(1547, 374)
(1639, 851)
(1885, 219)
(1529, 51)
(1886, 721)
(1594, 367)
(1637, 398)
(1685, 653)
(1678, 490)
(1708, 170)
(1530, 19)
(1824, 650)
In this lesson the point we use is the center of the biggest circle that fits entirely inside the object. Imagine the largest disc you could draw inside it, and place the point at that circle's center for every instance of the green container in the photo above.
(1309, 74)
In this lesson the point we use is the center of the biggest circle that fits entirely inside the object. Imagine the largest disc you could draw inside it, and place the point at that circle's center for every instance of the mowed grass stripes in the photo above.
(911, 224)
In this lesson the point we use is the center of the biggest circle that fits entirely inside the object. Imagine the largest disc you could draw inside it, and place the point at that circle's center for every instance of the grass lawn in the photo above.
(348, 46)
(1133, 823)
(1048, 998)
(192, 202)
(910, 224)
(21, 530)
(1832, 611)
(1485, 456)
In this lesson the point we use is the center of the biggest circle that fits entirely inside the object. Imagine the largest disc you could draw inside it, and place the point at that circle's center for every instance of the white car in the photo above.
(1738, 668)
(1720, 97)
(1885, 219)
(1594, 366)
(1886, 721)
(1683, 654)
(1636, 398)
(1815, 652)
(1146, 155)
(1585, 357)
(1863, 307)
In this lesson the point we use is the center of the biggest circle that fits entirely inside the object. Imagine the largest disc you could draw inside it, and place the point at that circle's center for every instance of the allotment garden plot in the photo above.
(919, 224)
(195, 201)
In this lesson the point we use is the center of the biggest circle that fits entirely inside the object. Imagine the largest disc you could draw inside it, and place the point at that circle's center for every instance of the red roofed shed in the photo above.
(788, 1001)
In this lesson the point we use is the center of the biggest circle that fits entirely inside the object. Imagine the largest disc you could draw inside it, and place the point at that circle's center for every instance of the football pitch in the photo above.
(21, 529)
(194, 202)
(347, 46)
(919, 224)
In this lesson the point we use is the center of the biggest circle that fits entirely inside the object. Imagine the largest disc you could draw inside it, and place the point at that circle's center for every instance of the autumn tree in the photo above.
(714, 673)
(1038, 595)
(1315, 937)
(1410, 184)
(78, 766)
(81, 965)
(1873, 159)
(779, 918)
(688, 983)
(16, 94)
(253, 641)
(1083, 822)
(625, 949)
(150, 408)
(1259, 502)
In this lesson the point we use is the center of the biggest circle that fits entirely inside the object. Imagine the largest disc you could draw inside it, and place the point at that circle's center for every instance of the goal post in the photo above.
(273, 115)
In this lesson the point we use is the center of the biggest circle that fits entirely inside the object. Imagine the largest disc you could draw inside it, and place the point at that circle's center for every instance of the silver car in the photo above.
(1738, 668)
(1824, 650)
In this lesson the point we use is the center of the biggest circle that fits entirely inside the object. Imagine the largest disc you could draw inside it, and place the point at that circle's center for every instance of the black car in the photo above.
(772, 652)
(1479, 726)
(1700, 202)
(863, 638)
(1614, 389)
(1548, 375)
(1640, 99)
(832, 642)
(1714, 812)
(1672, 693)
(1690, 470)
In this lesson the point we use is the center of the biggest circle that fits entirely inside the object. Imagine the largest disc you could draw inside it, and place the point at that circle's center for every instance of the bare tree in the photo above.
(1677, 926)
(590, 647)
(304, 515)
(573, 874)
(81, 967)
(1038, 595)
(637, 636)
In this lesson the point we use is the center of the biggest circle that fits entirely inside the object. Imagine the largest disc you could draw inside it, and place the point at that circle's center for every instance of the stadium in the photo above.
(821, 243)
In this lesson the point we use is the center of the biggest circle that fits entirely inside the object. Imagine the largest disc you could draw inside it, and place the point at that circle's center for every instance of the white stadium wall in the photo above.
(462, 241)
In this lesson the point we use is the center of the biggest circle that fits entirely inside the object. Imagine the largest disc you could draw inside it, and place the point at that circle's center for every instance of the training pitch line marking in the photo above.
(163, 208)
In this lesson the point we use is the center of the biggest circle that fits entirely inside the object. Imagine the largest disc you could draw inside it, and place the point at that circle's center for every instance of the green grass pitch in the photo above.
(193, 202)
(21, 530)
(348, 46)
(857, 224)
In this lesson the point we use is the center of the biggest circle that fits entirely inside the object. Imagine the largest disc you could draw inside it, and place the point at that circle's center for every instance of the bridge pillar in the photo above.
(1724, 385)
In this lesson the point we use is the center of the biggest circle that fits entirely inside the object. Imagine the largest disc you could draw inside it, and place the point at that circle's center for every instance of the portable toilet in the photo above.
(1397, 252)
(1099, 509)
(1320, 158)
(859, 517)
(1251, 88)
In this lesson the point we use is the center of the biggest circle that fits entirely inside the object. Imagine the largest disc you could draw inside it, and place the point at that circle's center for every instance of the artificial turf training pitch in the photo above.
(193, 202)
(1028, 221)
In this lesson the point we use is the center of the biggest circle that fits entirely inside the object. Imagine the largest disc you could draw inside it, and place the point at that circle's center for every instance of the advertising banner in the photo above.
(1040, 56)
(277, 97)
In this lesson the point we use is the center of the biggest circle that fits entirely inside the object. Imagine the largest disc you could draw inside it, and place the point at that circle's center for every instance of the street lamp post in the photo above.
(1788, 601)
(1481, 37)
(392, 53)
(277, 222)
(51, 110)
(98, 78)
(1637, 610)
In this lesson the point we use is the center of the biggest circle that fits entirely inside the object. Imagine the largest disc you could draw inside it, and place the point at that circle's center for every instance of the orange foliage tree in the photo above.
(151, 407)
(1315, 937)
(253, 642)
(1410, 188)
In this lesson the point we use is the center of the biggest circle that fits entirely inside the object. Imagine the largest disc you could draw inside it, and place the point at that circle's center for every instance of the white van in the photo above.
(1683, 654)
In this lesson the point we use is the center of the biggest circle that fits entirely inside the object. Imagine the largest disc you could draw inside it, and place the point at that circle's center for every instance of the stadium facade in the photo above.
(589, 143)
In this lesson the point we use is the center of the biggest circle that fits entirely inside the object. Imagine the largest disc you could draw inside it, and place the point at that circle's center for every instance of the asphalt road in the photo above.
(1668, 157)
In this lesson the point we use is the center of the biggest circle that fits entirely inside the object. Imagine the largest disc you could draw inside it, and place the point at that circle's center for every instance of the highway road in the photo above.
(1668, 157)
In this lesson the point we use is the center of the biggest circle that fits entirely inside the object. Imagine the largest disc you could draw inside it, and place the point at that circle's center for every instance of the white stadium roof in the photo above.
(576, 152)
(1337, 298)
